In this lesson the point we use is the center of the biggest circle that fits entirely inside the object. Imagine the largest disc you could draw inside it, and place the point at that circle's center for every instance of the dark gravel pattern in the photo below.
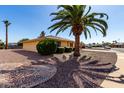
(88, 71)
(19, 68)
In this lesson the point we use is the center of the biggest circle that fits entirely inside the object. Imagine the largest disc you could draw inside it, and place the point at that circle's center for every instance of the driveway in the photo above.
(117, 77)
(16, 69)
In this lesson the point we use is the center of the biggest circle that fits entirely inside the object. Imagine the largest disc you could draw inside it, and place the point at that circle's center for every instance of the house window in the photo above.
(58, 44)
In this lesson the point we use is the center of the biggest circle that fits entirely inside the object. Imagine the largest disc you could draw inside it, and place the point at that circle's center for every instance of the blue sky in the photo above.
(29, 21)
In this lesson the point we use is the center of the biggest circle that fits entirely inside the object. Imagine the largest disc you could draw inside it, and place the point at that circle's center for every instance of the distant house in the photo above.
(61, 42)
(118, 45)
(82, 45)
(13, 46)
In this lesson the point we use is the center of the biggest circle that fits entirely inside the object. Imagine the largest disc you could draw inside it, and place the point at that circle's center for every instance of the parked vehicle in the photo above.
(107, 47)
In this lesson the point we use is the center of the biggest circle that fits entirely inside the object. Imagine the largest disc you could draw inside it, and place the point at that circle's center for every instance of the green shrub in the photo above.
(1, 45)
(60, 50)
(68, 50)
(47, 47)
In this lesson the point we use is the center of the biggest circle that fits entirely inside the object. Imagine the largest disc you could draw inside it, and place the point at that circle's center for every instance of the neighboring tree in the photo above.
(20, 42)
(98, 45)
(80, 21)
(7, 23)
(107, 44)
(115, 41)
(1, 44)
(42, 34)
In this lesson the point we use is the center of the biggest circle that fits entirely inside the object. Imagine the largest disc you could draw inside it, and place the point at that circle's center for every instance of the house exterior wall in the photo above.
(64, 44)
(117, 46)
(31, 46)
(67, 44)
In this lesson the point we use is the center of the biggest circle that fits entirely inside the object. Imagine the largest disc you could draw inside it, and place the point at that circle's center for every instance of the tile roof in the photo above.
(50, 36)
(60, 38)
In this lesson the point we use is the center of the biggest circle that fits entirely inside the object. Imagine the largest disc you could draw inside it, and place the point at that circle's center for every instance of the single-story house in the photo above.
(61, 42)
(118, 45)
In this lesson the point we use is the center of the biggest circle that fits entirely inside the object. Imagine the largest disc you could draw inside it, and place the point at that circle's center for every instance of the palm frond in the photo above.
(61, 29)
(71, 15)
(92, 26)
(88, 32)
(102, 22)
(101, 15)
(88, 11)
(85, 34)
(66, 7)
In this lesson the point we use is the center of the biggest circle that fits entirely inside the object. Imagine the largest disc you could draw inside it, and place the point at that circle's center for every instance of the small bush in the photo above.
(68, 50)
(60, 50)
(47, 47)
(1, 45)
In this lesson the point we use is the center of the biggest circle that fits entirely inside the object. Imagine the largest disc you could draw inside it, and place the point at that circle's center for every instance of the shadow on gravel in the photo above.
(79, 72)
(119, 79)
(75, 72)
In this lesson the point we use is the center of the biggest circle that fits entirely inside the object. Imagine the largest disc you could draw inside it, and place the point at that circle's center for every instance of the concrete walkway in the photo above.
(16, 69)
(117, 80)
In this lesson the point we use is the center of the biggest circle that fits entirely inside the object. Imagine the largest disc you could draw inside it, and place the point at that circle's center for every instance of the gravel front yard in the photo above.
(19, 68)
(88, 71)
(16, 69)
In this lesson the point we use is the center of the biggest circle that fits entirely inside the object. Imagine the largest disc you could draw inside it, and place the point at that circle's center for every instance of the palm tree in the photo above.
(7, 23)
(80, 21)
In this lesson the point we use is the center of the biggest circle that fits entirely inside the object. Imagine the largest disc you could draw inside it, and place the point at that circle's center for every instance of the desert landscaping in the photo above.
(28, 69)
(87, 54)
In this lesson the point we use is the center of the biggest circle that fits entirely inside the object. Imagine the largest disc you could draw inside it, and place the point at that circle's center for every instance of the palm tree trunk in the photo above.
(77, 45)
(6, 38)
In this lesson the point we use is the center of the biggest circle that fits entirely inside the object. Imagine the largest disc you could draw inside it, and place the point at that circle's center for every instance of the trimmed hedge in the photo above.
(47, 47)
(68, 50)
(60, 50)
